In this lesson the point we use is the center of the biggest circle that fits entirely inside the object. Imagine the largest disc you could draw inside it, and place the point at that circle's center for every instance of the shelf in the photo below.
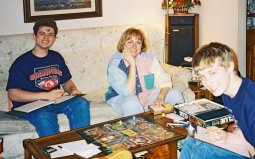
(250, 14)
(250, 29)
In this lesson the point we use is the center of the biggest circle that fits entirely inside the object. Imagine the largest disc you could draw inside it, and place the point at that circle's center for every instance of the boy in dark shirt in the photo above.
(214, 66)
(38, 75)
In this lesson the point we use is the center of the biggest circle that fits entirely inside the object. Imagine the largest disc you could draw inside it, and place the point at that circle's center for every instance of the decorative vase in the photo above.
(180, 10)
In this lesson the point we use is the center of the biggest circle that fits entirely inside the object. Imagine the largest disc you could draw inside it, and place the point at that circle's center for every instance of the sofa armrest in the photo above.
(178, 73)
(180, 77)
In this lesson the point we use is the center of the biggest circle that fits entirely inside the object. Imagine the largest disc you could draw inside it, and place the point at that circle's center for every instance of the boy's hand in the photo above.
(54, 94)
(231, 127)
(217, 135)
(74, 92)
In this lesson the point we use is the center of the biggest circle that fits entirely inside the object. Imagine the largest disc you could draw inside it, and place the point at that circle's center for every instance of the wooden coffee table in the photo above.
(33, 147)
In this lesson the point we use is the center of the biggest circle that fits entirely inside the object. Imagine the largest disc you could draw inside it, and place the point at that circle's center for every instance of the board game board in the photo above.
(129, 133)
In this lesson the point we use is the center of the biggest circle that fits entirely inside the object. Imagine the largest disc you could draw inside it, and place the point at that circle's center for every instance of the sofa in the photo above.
(86, 52)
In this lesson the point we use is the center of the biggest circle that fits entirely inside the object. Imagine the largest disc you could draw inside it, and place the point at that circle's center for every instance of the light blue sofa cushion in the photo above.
(12, 125)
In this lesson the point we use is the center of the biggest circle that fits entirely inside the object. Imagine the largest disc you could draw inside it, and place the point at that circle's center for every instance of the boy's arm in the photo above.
(27, 96)
(251, 149)
(239, 133)
(236, 137)
(70, 88)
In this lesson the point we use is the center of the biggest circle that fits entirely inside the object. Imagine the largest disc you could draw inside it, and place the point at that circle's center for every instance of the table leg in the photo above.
(27, 153)
(34, 149)
(167, 151)
(172, 147)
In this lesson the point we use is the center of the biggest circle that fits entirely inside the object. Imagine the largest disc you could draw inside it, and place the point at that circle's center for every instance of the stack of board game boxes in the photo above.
(204, 113)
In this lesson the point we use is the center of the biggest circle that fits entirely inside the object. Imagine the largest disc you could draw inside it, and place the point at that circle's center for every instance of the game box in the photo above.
(204, 113)
(158, 110)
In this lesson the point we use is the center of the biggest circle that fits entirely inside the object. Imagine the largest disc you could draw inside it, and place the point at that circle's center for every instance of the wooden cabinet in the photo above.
(250, 42)
(250, 54)
(181, 37)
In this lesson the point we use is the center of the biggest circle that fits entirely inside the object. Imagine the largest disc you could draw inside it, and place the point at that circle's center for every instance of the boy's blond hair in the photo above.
(128, 34)
(206, 56)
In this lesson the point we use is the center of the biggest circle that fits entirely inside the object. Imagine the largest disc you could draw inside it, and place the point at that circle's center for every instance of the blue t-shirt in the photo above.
(34, 74)
(242, 106)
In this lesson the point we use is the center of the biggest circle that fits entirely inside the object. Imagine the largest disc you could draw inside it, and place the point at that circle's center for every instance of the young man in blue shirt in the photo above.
(38, 75)
(214, 65)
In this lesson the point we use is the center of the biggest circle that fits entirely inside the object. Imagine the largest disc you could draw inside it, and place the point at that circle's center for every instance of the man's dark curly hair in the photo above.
(45, 22)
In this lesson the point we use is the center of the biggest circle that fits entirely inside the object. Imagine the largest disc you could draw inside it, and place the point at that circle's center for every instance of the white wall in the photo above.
(220, 20)
(242, 37)
(115, 12)
(224, 21)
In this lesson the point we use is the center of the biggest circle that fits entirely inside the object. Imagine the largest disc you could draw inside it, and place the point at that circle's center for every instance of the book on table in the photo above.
(204, 113)
(32, 106)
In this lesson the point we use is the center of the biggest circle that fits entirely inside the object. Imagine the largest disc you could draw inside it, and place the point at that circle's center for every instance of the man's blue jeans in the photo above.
(195, 149)
(45, 119)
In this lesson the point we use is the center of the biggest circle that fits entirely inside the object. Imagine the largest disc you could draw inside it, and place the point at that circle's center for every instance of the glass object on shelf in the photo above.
(248, 7)
(250, 22)
(251, 5)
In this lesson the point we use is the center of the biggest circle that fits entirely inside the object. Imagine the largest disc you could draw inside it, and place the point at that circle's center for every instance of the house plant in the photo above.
(180, 6)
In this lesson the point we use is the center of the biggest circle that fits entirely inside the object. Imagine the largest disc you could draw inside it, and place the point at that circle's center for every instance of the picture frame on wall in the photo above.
(61, 9)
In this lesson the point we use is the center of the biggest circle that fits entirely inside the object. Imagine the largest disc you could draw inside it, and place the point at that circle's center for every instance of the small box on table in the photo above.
(158, 110)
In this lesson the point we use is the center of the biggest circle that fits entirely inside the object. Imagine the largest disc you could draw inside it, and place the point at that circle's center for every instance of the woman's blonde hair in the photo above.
(214, 52)
(128, 34)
